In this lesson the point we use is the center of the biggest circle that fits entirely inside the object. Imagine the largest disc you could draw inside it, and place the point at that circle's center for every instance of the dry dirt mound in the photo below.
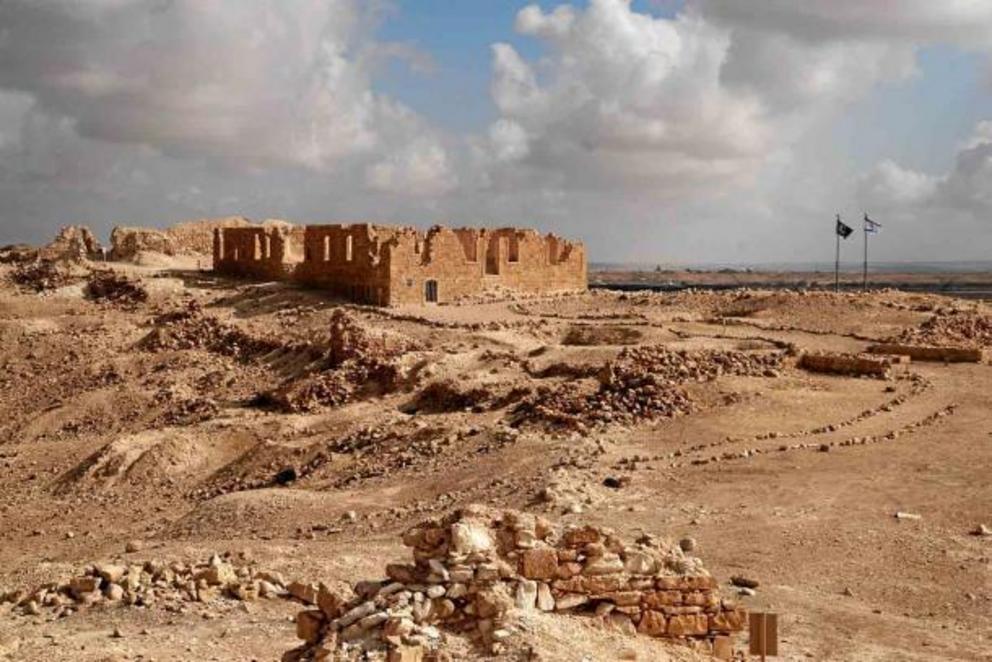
(165, 456)
(477, 570)
(259, 510)
(591, 334)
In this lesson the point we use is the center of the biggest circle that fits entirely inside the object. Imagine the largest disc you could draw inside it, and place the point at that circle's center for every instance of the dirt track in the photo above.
(105, 442)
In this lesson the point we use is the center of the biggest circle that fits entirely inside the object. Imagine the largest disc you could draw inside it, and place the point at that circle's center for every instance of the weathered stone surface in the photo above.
(540, 563)
(308, 625)
(653, 623)
(688, 624)
(526, 594)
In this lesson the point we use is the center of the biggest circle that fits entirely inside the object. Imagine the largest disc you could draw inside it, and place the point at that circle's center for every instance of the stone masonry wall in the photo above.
(470, 262)
(254, 252)
(475, 570)
(386, 265)
(347, 260)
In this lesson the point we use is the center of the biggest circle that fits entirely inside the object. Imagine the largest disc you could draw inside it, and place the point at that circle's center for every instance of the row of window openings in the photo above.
(327, 249)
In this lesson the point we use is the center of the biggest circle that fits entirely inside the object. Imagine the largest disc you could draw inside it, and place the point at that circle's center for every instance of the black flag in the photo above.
(843, 231)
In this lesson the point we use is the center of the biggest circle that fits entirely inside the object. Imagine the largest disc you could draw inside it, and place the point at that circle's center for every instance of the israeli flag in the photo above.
(871, 226)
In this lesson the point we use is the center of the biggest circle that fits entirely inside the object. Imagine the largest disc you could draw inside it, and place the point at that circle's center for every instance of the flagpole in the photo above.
(864, 280)
(837, 257)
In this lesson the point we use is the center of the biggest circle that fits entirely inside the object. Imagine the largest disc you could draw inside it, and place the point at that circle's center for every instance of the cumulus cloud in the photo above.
(888, 184)
(963, 22)
(253, 84)
(673, 106)
(623, 99)
(966, 188)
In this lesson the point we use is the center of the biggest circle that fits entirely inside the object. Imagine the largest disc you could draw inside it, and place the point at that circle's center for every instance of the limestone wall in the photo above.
(467, 262)
(388, 265)
(845, 364)
(254, 252)
(347, 260)
(929, 353)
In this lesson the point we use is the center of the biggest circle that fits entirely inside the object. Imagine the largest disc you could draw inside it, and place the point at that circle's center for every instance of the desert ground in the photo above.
(212, 416)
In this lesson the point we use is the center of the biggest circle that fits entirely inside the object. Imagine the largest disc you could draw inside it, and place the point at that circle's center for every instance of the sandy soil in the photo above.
(105, 441)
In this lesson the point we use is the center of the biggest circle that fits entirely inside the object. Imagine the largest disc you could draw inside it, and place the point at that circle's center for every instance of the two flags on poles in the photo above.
(844, 230)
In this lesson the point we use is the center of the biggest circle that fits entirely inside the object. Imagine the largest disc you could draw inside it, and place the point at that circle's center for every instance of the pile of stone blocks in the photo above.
(475, 570)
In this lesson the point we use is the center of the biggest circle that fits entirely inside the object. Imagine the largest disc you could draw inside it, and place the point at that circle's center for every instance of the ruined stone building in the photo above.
(390, 265)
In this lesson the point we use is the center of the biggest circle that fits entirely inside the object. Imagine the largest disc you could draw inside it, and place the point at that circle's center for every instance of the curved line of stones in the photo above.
(920, 386)
(734, 321)
(822, 447)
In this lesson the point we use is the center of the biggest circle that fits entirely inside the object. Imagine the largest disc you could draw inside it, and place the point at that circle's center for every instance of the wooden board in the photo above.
(764, 634)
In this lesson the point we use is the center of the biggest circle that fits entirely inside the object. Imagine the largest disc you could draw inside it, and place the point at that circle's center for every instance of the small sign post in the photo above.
(764, 634)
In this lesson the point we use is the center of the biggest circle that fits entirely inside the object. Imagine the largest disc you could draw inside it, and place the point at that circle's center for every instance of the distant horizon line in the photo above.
(799, 266)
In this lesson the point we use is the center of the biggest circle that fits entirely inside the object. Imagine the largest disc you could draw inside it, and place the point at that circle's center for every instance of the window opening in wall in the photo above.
(257, 255)
(327, 249)
(430, 291)
(268, 247)
(347, 248)
(514, 252)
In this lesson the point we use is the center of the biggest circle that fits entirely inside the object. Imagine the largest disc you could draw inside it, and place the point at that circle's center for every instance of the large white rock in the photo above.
(470, 538)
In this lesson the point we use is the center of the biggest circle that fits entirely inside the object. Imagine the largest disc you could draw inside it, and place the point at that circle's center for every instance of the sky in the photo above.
(657, 131)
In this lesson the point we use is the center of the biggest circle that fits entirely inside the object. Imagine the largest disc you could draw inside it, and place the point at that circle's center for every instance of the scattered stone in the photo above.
(744, 582)
(908, 516)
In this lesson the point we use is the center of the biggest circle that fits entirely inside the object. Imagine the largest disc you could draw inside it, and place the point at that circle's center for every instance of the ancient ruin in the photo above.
(478, 569)
(390, 265)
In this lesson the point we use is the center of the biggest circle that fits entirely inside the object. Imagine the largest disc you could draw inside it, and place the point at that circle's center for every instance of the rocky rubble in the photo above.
(951, 327)
(188, 328)
(150, 583)
(45, 275)
(358, 363)
(17, 253)
(73, 243)
(110, 286)
(476, 570)
(641, 383)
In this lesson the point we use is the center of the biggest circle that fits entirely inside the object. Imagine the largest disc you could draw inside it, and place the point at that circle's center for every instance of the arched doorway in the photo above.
(430, 291)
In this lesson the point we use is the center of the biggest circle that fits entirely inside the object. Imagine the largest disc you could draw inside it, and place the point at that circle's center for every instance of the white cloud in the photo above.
(255, 84)
(420, 169)
(671, 107)
(888, 184)
(964, 192)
